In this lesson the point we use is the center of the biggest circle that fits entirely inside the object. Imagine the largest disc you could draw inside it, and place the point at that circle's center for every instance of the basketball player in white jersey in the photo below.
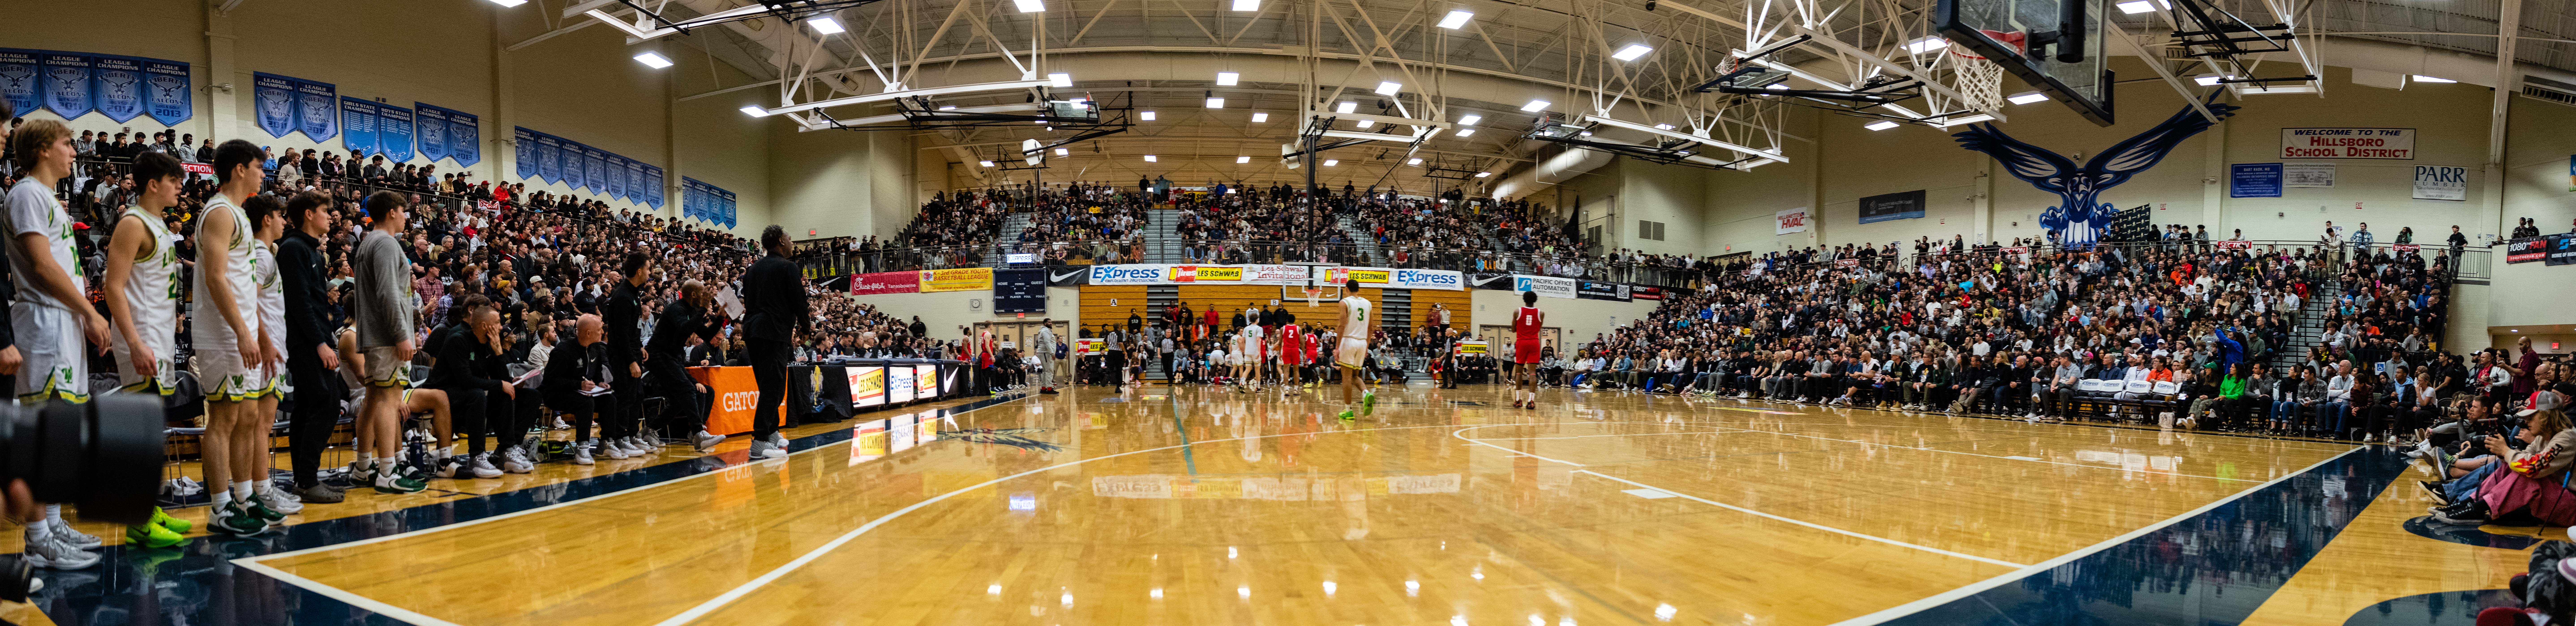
(268, 222)
(227, 339)
(52, 316)
(142, 289)
(1254, 353)
(1526, 323)
(1353, 354)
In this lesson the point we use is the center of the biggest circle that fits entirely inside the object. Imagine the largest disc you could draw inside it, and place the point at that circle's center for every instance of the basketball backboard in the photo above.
(2055, 45)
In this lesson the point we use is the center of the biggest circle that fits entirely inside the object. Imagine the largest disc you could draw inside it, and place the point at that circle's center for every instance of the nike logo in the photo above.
(1056, 277)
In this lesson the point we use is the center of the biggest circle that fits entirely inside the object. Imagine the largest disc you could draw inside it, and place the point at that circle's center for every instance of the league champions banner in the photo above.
(523, 144)
(653, 182)
(169, 94)
(570, 154)
(726, 204)
(464, 138)
(67, 84)
(635, 188)
(549, 157)
(393, 132)
(317, 110)
(117, 85)
(19, 70)
(431, 123)
(358, 126)
(615, 177)
(274, 97)
(594, 168)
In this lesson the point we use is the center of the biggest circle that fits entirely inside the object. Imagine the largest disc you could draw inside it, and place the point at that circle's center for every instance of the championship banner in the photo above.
(358, 126)
(464, 138)
(1590, 290)
(960, 279)
(523, 151)
(1790, 221)
(594, 169)
(393, 132)
(884, 283)
(1548, 286)
(67, 84)
(727, 205)
(867, 385)
(432, 134)
(2526, 250)
(19, 70)
(549, 156)
(570, 155)
(653, 182)
(116, 86)
(1206, 274)
(614, 176)
(1427, 279)
(635, 188)
(317, 110)
(2347, 143)
(1130, 275)
(168, 94)
(1293, 275)
(274, 98)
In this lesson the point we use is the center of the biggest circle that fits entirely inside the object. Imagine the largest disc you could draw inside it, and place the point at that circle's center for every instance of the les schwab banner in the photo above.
(867, 385)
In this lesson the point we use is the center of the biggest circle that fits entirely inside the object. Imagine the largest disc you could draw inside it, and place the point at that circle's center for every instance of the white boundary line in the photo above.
(1731, 429)
(1805, 523)
(1971, 589)
(399, 613)
(703, 608)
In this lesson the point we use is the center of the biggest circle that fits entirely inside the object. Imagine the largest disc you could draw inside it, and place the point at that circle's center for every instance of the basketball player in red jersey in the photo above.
(1526, 322)
(1292, 352)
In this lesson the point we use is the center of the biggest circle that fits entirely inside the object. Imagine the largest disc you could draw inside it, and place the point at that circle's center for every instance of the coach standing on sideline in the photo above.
(773, 294)
(310, 354)
(623, 311)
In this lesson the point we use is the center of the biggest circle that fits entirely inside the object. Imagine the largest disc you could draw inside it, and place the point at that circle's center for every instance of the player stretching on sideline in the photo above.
(1525, 325)
(1352, 355)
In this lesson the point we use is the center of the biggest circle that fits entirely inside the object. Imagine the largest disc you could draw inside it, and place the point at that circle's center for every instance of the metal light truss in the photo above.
(650, 24)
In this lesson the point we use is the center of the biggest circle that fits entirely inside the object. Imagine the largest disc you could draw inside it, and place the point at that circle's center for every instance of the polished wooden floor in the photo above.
(1194, 506)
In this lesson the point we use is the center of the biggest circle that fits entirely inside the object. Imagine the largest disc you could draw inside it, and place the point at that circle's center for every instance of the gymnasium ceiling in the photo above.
(1555, 49)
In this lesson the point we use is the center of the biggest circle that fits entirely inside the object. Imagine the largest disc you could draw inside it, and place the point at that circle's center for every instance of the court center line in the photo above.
(1805, 523)
(1971, 589)
(703, 608)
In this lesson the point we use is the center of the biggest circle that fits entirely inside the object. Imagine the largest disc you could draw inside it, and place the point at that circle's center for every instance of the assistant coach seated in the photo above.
(571, 371)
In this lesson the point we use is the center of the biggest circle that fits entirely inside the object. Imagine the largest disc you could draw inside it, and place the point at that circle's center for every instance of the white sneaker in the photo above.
(62, 531)
(705, 440)
(611, 450)
(483, 467)
(762, 450)
(515, 461)
(646, 445)
(281, 501)
(55, 553)
(581, 455)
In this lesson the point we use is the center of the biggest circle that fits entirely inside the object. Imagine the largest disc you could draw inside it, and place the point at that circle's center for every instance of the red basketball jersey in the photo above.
(1525, 324)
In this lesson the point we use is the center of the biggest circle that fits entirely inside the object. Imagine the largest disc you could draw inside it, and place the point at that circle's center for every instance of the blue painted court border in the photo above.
(2214, 568)
(197, 583)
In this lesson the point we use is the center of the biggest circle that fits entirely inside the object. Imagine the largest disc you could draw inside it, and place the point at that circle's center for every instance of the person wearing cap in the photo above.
(2527, 491)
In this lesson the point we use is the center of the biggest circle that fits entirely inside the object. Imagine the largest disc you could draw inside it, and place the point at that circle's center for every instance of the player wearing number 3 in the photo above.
(1352, 354)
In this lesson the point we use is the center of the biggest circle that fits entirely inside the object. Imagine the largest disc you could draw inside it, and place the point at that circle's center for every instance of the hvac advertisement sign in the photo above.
(1790, 221)
(2347, 143)
(1548, 286)
(1427, 279)
(1131, 274)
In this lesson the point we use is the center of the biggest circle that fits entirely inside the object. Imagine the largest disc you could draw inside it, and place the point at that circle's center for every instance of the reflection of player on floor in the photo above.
(1352, 355)
(1526, 323)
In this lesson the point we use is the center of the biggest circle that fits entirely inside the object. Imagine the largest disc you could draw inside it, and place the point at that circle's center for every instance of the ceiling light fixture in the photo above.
(1247, 5)
(754, 111)
(1243, 159)
(2429, 79)
(1483, 174)
(1259, 118)
(2134, 8)
(1413, 161)
(1346, 107)
(1215, 103)
(1879, 125)
(1470, 119)
(1535, 105)
(1663, 127)
(1063, 152)
(1631, 52)
(653, 60)
(1029, 6)
(1926, 44)
(1388, 88)
(1059, 79)
(1150, 159)
(984, 163)
(1465, 132)
(1332, 162)
(2027, 97)
(1227, 79)
(1456, 19)
(2205, 80)
(1367, 123)
(1148, 115)
(826, 25)
(509, 3)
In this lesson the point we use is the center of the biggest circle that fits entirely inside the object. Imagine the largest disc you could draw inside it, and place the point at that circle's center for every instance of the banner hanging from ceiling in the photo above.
(430, 124)
(67, 84)
(394, 132)
(358, 122)
(523, 151)
(274, 97)
(317, 110)
(19, 71)
(116, 86)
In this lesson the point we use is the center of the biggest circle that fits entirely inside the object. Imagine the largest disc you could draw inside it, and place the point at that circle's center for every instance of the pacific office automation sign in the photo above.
(2347, 143)
(1548, 286)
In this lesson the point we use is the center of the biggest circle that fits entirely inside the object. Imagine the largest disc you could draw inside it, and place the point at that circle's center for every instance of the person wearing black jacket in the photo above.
(623, 312)
(310, 354)
(671, 331)
(469, 368)
(775, 307)
(574, 369)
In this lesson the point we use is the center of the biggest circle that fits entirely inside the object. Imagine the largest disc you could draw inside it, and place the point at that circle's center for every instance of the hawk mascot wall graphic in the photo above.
(2080, 218)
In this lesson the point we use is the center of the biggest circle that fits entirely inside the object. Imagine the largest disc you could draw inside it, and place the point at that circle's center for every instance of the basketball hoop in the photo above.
(1313, 297)
(1980, 80)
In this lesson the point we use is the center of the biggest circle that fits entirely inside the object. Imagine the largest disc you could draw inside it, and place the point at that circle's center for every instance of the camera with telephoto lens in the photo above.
(104, 457)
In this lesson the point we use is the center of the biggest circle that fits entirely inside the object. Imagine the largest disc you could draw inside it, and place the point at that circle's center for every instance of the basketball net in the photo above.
(1313, 297)
(1980, 80)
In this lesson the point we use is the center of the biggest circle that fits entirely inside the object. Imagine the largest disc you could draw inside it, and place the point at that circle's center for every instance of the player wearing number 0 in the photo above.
(1291, 339)
(1526, 322)
(1352, 355)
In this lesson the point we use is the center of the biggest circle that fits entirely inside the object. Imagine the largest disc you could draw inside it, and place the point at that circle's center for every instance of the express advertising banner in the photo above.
(1427, 279)
(899, 384)
(1131, 274)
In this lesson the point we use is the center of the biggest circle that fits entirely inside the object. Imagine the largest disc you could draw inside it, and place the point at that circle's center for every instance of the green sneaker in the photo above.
(265, 514)
(399, 484)
(1347, 415)
(236, 521)
(164, 520)
(151, 536)
(1368, 403)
